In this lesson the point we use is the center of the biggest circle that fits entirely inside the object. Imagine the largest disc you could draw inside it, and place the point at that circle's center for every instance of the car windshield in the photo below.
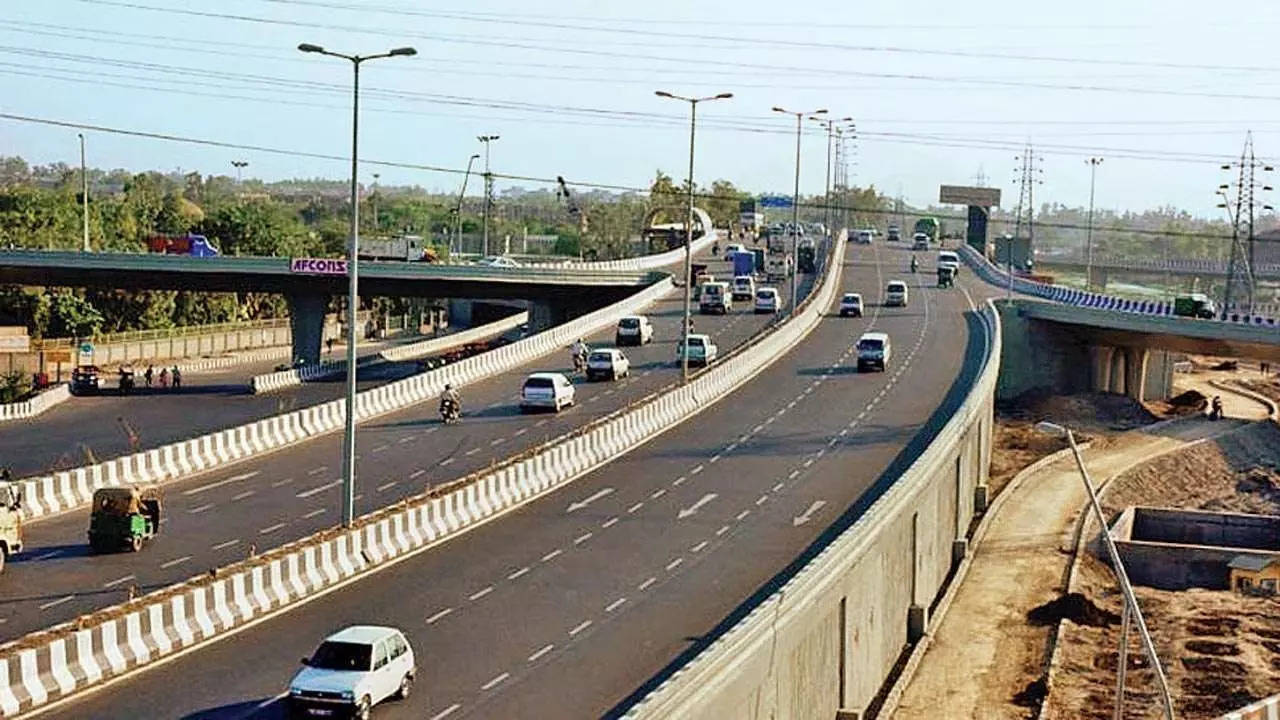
(342, 656)
(765, 294)
(851, 299)
(897, 287)
(870, 344)
(629, 323)
(601, 357)
(539, 383)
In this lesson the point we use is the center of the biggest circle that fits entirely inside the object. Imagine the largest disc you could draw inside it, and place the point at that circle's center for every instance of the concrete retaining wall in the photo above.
(36, 405)
(826, 640)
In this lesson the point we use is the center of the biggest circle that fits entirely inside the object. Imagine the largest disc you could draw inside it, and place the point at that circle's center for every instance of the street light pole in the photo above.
(795, 209)
(1094, 162)
(488, 190)
(826, 205)
(84, 195)
(688, 227)
(353, 253)
(1126, 588)
(461, 194)
(239, 165)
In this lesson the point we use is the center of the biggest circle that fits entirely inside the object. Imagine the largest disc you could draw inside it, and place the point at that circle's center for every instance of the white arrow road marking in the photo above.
(686, 512)
(799, 520)
(585, 502)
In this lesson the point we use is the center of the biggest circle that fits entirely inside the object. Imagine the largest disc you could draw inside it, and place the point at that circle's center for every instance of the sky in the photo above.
(939, 91)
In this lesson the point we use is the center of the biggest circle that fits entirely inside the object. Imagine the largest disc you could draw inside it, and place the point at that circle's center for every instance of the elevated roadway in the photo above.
(220, 516)
(564, 607)
(1150, 266)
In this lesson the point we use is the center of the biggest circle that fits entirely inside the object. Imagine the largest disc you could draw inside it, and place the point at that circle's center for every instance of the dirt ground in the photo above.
(1220, 650)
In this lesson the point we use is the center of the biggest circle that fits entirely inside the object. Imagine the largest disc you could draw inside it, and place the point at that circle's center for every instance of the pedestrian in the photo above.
(330, 343)
(1265, 367)
(164, 377)
(177, 377)
(148, 374)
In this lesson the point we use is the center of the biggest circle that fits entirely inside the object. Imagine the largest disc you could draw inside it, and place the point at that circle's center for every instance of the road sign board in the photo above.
(15, 343)
(319, 266)
(975, 196)
(86, 348)
(56, 356)
(775, 201)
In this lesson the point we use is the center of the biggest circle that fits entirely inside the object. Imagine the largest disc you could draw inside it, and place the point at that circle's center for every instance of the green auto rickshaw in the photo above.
(123, 518)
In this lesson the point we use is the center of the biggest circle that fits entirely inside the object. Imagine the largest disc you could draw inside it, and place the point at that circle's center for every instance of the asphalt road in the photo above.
(561, 612)
(88, 429)
(216, 518)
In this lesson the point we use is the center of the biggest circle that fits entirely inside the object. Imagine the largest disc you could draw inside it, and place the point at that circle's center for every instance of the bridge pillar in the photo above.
(548, 313)
(306, 320)
(1135, 372)
(1116, 381)
(1100, 377)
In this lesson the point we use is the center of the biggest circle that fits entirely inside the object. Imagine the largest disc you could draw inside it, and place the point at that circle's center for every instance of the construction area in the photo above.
(1033, 629)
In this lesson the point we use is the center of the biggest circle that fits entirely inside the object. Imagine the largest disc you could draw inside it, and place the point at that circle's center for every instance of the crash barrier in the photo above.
(644, 262)
(48, 665)
(67, 489)
(296, 376)
(826, 633)
(995, 275)
(217, 363)
(36, 405)
(440, 344)
(1264, 709)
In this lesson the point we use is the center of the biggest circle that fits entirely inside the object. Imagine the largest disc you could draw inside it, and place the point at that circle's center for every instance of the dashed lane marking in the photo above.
(635, 507)
(543, 651)
(417, 474)
(225, 545)
(117, 581)
(518, 573)
(698, 547)
(317, 471)
(645, 585)
(388, 485)
(580, 627)
(446, 712)
(495, 682)
(175, 561)
(439, 616)
(609, 523)
(723, 529)
(315, 513)
(55, 603)
(551, 555)
(272, 528)
(582, 538)
(614, 605)
(480, 593)
(674, 564)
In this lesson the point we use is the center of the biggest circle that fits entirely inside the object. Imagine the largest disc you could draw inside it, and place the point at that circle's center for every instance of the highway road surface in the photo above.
(88, 429)
(218, 517)
(566, 606)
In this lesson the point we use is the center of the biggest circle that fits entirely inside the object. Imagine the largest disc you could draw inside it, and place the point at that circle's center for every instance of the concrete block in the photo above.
(959, 548)
(980, 499)
(917, 622)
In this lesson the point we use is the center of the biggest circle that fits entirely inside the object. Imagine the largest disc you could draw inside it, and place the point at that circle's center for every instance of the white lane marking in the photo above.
(472, 451)
(404, 440)
(581, 539)
(318, 489)
(518, 573)
(243, 495)
(647, 583)
(540, 423)
(46, 556)
(614, 605)
(757, 429)
(635, 507)
(580, 627)
(808, 462)
(792, 475)
(762, 499)
(220, 483)
(678, 481)
(446, 461)
(497, 441)
(59, 601)
(380, 448)
(778, 487)
(272, 528)
(588, 500)
(495, 682)
(438, 616)
(696, 470)
(545, 649)
(117, 581)
(446, 712)
(730, 447)
(609, 523)
(698, 547)
(281, 483)
(723, 529)
(694, 508)
(480, 593)
(314, 513)
(742, 515)
(520, 432)
(227, 544)
(388, 485)
(417, 474)
(175, 561)
(317, 471)
(200, 509)
(674, 564)
(551, 555)
(657, 493)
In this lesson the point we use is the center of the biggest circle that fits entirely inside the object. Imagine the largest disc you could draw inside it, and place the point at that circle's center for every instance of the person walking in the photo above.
(164, 377)
(177, 377)
(149, 374)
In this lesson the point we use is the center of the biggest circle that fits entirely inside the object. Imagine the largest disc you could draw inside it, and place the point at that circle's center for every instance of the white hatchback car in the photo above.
(353, 670)
(546, 390)
(633, 330)
(768, 300)
(607, 364)
(895, 294)
(851, 304)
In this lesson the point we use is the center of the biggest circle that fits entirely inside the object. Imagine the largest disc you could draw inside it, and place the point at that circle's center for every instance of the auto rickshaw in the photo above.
(126, 379)
(946, 277)
(123, 518)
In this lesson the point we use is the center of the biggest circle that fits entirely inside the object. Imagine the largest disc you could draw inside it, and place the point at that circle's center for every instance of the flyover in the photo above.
(1152, 266)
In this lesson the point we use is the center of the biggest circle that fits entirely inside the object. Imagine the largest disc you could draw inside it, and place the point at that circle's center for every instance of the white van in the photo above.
(744, 287)
(633, 330)
(768, 300)
(895, 294)
(873, 351)
(715, 298)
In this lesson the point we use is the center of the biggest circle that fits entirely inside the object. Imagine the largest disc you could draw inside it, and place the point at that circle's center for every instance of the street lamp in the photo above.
(239, 165)
(488, 190)
(1094, 162)
(353, 253)
(1131, 611)
(84, 195)
(688, 228)
(830, 125)
(795, 208)
(458, 210)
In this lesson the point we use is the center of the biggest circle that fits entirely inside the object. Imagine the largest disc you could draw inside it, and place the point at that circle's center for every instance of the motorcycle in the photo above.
(450, 412)
(580, 361)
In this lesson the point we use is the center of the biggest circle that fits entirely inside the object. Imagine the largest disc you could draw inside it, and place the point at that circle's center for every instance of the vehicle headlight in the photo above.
(348, 695)
(295, 691)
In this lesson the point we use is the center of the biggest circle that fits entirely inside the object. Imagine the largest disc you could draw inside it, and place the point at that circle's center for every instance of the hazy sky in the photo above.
(1163, 91)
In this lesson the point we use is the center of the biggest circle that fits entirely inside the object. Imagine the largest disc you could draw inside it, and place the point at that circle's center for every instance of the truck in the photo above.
(749, 215)
(807, 256)
(777, 267)
(761, 259)
(406, 248)
(1195, 305)
(744, 263)
(929, 226)
(894, 234)
(189, 244)
(10, 518)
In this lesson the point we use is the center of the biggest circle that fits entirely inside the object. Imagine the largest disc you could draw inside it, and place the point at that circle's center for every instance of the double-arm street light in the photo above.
(239, 165)
(457, 211)
(688, 227)
(795, 207)
(353, 251)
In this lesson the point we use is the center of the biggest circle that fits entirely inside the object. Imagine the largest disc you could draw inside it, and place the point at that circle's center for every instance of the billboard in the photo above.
(319, 266)
(963, 195)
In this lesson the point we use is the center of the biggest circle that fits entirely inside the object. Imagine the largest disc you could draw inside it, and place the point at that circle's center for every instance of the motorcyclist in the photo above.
(450, 399)
(579, 351)
(915, 264)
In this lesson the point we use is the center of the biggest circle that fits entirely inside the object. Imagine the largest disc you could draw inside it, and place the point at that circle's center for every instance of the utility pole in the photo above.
(84, 195)
(373, 201)
(488, 191)
(457, 211)
(826, 204)
(795, 208)
(1094, 162)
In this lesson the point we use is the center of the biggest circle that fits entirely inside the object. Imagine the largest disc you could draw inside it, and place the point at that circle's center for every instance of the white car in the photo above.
(546, 390)
(851, 304)
(607, 364)
(744, 287)
(702, 351)
(353, 670)
(895, 294)
(947, 258)
(873, 351)
(768, 300)
(733, 249)
(714, 298)
(633, 330)
(499, 261)
(863, 237)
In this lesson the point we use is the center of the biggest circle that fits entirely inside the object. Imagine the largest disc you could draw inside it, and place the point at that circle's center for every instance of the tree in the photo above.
(70, 315)
(260, 227)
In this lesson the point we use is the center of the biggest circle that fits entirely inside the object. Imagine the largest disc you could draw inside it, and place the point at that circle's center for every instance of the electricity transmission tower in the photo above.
(1241, 211)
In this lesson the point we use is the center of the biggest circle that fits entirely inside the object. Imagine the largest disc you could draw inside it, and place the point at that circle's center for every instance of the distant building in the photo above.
(1255, 574)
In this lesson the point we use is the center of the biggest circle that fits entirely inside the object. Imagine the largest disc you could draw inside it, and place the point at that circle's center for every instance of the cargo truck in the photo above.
(929, 226)
(744, 263)
(1195, 305)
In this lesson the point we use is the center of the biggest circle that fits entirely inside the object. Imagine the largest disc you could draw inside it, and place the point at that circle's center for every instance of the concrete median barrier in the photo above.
(36, 405)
